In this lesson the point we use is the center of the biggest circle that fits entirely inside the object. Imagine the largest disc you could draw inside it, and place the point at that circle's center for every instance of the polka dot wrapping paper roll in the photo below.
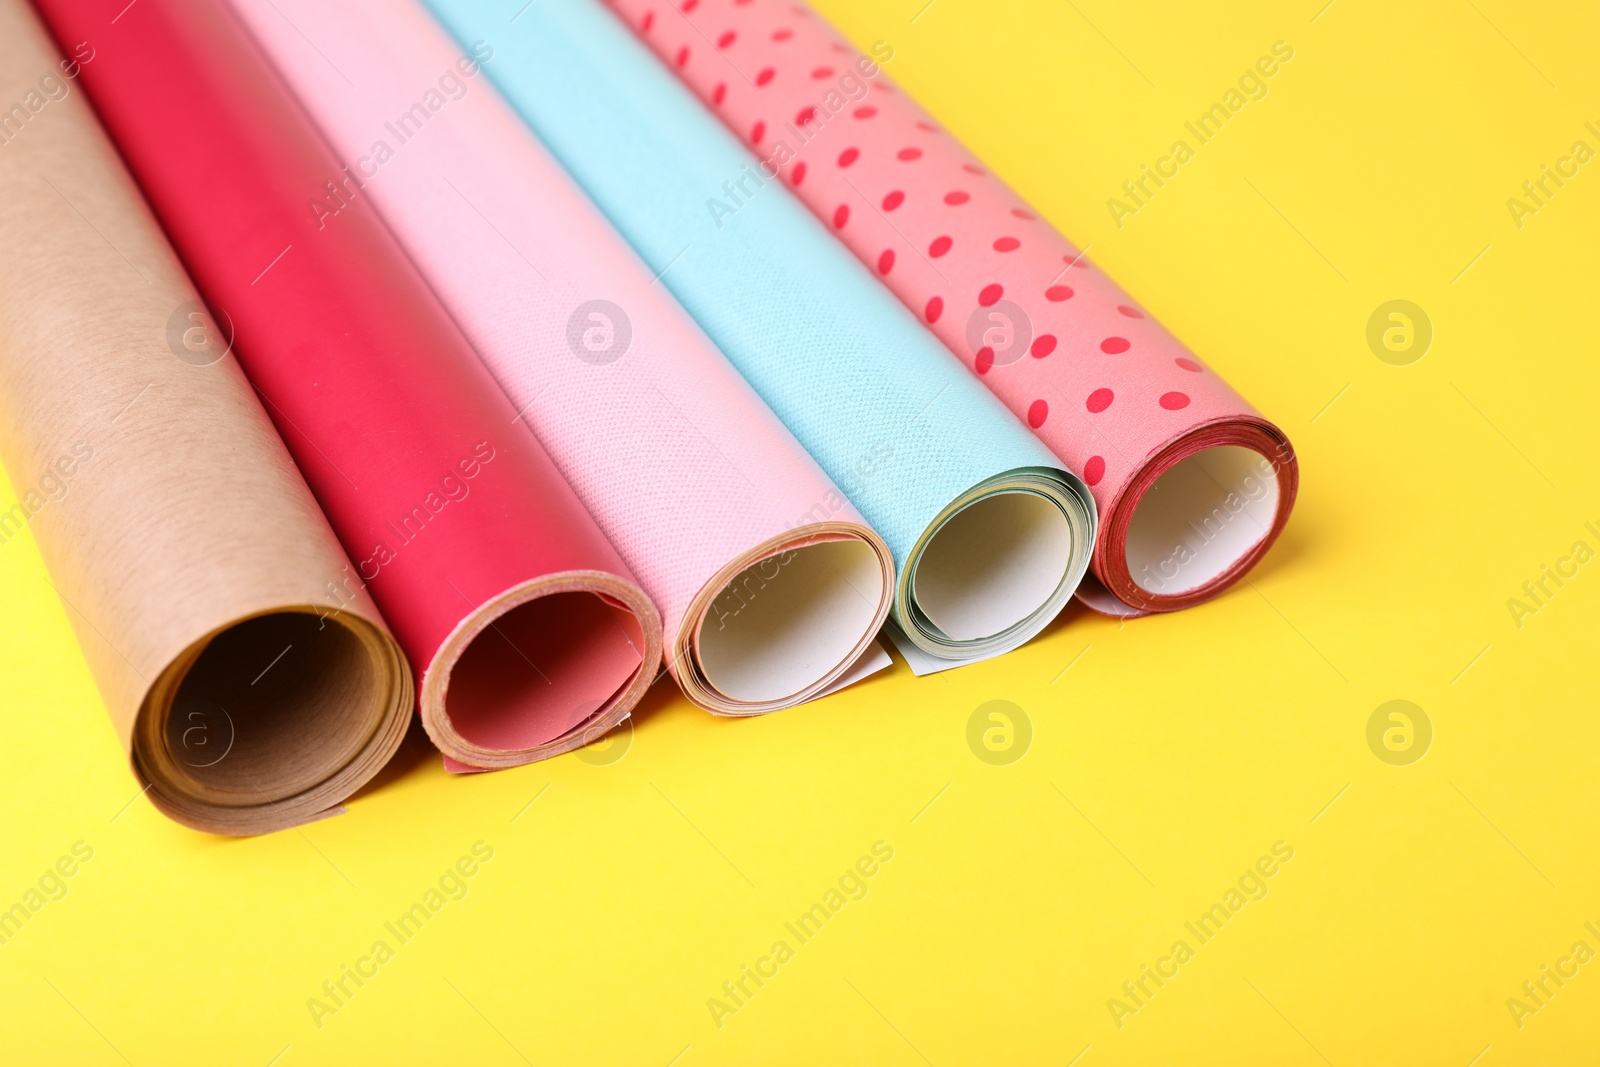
(990, 535)
(1192, 483)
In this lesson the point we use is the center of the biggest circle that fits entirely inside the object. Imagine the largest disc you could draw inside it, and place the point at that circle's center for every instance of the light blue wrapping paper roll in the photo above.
(990, 535)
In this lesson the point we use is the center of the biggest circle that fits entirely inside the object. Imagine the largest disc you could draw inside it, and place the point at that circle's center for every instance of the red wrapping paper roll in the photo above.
(1193, 484)
(527, 631)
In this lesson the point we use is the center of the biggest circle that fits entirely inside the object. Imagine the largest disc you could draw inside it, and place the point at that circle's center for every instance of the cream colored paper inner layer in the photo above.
(1199, 517)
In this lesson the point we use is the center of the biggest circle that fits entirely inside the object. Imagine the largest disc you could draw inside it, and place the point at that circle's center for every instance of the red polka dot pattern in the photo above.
(972, 242)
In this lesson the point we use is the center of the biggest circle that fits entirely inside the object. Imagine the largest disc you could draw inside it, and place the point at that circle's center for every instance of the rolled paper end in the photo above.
(271, 721)
(997, 565)
(784, 622)
(1198, 515)
(545, 667)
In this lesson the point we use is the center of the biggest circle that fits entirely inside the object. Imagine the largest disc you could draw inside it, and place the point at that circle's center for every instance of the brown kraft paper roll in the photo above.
(194, 564)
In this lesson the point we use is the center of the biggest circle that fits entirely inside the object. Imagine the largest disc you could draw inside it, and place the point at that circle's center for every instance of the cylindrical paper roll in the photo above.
(188, 551)
(771, 586)
(528, 632)
(990, 535)
(1193, 483)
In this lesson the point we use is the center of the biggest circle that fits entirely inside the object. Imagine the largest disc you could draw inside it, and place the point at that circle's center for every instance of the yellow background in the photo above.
(1172, 753)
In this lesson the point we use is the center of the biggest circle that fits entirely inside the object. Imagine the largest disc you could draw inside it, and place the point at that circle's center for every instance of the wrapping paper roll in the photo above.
(187, 549)
(528, 633)
(772, 587)
(1193, 483)
(991, 537)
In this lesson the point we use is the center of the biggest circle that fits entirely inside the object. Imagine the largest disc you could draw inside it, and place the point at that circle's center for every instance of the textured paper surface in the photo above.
(1110, 391)
(524, 626)
(682, 464)
(900, 426)
(186, 548)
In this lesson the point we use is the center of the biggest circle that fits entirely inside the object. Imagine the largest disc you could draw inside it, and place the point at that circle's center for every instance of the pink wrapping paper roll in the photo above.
(771, 586)
(1193, 484)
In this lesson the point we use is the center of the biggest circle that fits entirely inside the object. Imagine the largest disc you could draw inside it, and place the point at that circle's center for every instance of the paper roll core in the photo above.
(784, 624)
(540, 669)
(1196, 516)
(996, 565)
(1200, 517)
(280, 713)
(503, 695)
(786, 620)
(993, 565)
